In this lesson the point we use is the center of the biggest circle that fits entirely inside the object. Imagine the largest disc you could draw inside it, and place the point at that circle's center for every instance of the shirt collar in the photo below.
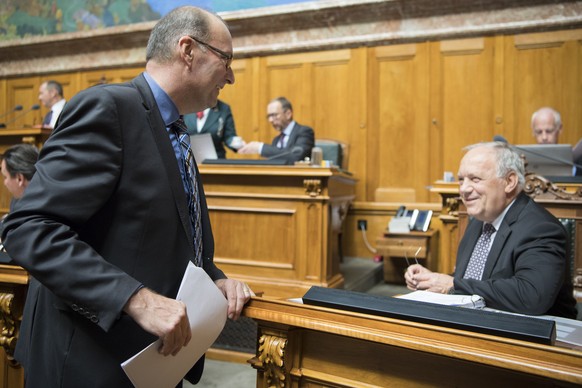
(497, 222)
(167, 108)
(289, 128)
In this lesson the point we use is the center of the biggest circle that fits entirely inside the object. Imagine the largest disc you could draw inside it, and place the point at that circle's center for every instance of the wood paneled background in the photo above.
(406, 110)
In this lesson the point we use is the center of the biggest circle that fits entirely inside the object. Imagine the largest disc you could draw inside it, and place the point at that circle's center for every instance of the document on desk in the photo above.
(207, 309)
(470, 301)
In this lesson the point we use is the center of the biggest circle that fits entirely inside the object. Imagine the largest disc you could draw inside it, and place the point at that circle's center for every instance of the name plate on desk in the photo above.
(486, 322)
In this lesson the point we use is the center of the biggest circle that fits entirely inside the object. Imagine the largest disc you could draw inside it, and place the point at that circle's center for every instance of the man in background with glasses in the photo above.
(294, 141)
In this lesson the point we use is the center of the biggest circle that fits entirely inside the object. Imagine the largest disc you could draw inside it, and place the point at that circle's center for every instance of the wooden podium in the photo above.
(278, 228)
(301, 345)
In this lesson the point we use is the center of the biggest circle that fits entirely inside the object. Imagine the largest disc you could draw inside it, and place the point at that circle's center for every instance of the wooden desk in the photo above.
(278, 227)
(396, 248)
(303, 345)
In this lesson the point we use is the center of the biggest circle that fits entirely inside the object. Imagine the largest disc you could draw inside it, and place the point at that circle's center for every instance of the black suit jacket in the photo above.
(301, 136)
(527, 267)
(104, 214)
(219, 123)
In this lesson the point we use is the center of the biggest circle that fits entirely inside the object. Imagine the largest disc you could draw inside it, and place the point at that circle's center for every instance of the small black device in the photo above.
(401, 212)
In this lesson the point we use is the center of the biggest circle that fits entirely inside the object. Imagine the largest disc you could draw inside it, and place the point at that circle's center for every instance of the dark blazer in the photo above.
(527, 267)
(301, 136)
(219, 123)
(104, 214)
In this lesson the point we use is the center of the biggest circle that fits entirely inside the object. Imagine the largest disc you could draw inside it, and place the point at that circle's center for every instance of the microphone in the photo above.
(501, 139)
(296, 151)
(34, 107)
(15, 109)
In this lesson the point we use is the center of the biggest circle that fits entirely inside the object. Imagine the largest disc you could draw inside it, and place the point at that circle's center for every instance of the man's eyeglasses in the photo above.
(226, 57)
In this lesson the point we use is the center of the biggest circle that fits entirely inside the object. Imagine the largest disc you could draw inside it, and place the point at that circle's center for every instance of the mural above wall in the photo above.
(22, 18)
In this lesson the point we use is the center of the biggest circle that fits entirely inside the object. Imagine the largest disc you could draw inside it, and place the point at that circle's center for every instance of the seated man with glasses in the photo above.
(514, 252)
(294, 141)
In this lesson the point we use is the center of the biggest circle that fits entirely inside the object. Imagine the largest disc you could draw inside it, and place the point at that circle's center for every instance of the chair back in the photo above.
(335, 151)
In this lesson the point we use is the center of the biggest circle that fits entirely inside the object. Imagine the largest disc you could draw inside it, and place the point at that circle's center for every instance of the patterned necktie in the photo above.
(191, 185)
(480, 252)
(47, 118)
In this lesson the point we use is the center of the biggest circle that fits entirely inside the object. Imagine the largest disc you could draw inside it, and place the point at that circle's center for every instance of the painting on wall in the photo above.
(23, 18)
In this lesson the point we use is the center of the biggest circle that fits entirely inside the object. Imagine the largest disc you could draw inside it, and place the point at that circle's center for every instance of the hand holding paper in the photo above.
(206, 307)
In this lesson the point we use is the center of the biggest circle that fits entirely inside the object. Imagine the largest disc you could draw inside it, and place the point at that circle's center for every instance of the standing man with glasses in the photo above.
(117, 211)
(514, 253)
(294, 141)
(50, 94)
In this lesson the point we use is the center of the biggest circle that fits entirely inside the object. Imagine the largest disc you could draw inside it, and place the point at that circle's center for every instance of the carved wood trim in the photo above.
(312, 187)
(538, 186)
(271, 359)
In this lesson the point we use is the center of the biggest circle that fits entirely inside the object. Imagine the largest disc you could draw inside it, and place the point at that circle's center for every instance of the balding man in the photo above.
(117, 211)
(546, 125)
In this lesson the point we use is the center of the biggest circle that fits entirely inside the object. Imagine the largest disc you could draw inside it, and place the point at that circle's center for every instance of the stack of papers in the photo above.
(469, 301)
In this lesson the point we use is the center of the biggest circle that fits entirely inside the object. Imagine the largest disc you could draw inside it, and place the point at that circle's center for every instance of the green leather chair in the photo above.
(335, 151)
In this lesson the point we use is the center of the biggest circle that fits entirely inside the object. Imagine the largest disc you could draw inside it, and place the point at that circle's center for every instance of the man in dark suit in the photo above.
(514, 252)
(217, 121)
(294, 141)
(105, 224)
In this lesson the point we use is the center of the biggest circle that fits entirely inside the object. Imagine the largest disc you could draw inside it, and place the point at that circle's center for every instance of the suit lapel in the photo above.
(158, 129)
(503, 234)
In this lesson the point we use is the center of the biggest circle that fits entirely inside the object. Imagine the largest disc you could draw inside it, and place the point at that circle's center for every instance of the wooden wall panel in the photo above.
(405, 110)
(242, 97)
(544, 69)
(23, 91)
(463, 105)
(399, 119)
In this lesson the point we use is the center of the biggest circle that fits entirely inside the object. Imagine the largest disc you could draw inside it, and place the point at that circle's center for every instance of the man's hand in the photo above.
(237, 294)
(419, 278)
(163, 317)
(250, 148)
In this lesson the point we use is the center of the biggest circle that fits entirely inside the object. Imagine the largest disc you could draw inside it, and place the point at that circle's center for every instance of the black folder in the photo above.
(523, 328)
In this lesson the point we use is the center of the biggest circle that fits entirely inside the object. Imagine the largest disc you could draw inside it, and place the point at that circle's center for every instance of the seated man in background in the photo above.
(218, 122)
(294, 142)
(546, 125)
(514, 252)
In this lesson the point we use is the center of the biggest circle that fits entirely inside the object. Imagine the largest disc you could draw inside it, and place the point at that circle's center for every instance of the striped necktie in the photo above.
(480, 252)
(191, 186)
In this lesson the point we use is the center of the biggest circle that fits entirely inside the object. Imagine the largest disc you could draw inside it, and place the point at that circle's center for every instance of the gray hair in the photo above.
(508, 160)
(555, 113)
(179, 22)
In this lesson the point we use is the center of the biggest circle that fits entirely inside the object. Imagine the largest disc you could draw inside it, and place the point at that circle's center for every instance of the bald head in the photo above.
(546, 125)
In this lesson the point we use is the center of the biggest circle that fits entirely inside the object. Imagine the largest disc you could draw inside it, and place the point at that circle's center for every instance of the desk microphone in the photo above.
(34, 107)
(15, 109)
(295, 151)
(501, 139)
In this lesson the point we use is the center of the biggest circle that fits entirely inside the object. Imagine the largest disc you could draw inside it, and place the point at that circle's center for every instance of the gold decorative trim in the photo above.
(537, 186)
(271, 359)
(8, 326)
(312, 187)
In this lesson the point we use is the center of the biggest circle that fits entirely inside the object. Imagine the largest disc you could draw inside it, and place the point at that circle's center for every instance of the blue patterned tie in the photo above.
(480, 252)
(191, 185)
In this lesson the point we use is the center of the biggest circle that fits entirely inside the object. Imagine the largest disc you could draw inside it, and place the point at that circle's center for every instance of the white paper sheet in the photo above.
(470, 301)
(207, 309)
